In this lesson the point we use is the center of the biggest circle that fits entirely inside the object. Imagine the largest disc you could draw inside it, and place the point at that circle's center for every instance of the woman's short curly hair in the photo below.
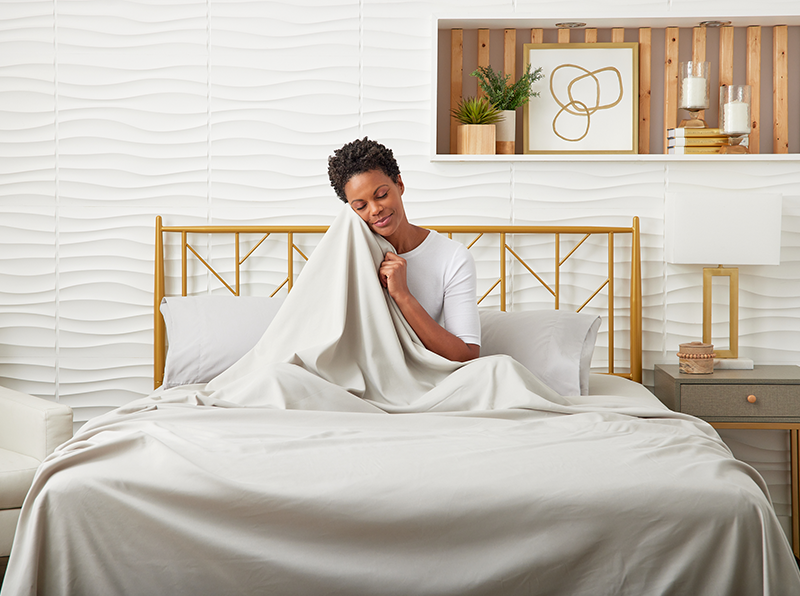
(357, 157)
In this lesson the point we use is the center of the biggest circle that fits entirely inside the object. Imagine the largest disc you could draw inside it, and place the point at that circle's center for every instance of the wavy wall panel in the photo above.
(132, 97)
(284, 94)
(105, 307)
(28, 330)
(28, 272)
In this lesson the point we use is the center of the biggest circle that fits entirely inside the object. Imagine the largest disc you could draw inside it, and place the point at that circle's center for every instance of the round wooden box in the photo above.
(696, 358)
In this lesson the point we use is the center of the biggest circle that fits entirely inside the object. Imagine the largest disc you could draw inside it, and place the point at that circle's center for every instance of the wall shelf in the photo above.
(754, 50)
(655, 157)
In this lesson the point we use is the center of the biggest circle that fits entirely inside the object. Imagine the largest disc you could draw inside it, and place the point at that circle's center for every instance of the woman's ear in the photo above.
(400, 184)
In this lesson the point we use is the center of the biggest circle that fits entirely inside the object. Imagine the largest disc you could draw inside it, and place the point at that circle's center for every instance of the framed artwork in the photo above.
(588, 99)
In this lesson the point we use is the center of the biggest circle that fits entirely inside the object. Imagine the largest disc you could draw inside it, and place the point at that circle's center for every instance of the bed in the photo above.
(336, 456)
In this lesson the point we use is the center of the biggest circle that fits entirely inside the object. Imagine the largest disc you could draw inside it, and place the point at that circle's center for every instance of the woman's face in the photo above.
(378, 201)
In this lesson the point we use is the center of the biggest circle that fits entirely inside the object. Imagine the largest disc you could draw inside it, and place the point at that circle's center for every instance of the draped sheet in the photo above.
(341, 457)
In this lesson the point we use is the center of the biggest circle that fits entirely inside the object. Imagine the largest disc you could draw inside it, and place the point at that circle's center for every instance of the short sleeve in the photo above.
(460, 308)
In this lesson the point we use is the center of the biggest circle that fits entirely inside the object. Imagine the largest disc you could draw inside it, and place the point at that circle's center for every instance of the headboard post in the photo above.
(557, 269)
(159, 327)
(611, 302)
(290, 261)
(636, 304)
(503, 272)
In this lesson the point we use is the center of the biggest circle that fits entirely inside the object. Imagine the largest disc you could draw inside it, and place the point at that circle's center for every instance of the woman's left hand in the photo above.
(393, 275)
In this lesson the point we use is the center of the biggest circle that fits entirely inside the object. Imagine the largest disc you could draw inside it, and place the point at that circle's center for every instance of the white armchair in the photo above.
(30, 429)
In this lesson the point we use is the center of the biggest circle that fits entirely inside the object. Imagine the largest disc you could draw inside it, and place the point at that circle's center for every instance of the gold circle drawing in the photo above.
(575, 107)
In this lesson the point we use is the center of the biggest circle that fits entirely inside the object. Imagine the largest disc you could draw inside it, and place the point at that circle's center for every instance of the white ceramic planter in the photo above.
(506, 133)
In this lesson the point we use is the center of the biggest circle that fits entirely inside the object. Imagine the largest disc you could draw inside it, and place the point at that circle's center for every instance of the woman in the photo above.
(431, 278)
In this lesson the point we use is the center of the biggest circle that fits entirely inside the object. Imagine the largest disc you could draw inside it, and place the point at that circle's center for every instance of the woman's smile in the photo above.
(383, 222)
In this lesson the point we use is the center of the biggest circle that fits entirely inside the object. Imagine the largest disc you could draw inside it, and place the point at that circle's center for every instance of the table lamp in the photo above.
(735, 228)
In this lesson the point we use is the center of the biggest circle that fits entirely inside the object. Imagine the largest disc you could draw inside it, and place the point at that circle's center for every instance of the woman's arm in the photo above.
(433, 336)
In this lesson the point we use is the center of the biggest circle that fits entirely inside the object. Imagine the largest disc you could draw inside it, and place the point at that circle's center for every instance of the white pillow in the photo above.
(207, 334)
(554, 345)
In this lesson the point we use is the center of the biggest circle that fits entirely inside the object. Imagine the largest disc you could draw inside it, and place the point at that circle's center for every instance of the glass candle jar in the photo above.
(734, 109)
(693, 86)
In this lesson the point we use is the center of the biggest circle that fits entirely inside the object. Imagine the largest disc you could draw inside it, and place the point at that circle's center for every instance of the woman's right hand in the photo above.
(392, 274)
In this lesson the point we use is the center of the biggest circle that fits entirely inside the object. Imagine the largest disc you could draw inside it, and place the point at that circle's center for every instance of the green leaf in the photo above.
(503, 94)
(476, 110)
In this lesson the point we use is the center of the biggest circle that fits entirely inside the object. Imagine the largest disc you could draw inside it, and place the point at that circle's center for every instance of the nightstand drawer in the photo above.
(729, 400)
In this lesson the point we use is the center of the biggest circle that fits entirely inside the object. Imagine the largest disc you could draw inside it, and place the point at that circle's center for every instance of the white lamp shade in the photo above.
(723, 229)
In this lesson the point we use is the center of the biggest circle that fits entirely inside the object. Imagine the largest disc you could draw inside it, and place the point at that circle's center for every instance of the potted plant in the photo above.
(507, 97)
(476, 131)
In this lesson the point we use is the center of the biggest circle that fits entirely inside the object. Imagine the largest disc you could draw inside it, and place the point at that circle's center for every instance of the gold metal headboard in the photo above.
(505, 254)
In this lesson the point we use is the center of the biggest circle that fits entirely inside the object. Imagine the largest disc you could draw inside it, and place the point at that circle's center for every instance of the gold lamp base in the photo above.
(733, 304)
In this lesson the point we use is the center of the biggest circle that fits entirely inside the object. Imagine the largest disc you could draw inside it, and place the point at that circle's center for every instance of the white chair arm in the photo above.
(31, 425)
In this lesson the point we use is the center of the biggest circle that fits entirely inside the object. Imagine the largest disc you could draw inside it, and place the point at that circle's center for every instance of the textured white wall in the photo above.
(114, 111)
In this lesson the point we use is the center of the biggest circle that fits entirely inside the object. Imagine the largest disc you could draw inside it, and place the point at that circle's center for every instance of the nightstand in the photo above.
(764, 397)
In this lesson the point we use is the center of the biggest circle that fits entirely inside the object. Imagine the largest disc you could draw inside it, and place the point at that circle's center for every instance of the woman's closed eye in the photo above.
(360, 206)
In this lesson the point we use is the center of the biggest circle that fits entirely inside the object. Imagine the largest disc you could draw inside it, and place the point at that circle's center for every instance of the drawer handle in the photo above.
(751, 399)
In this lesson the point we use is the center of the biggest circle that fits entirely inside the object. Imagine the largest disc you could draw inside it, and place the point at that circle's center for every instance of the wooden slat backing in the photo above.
(456, 79)
(671, 43)
(484, 38)
(725, 63)
(590, 36)
(699, 54)
(780, 87)
(645, 36)
(510, 53)
(699, 44)
(725, 57)
(563, 35)
(753, 77)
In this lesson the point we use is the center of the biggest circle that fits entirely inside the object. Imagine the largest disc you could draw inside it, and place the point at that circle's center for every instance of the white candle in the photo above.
(736, 117)
(694, 93)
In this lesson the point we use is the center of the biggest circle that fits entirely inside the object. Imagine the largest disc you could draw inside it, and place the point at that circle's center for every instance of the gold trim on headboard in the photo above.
(505, 252)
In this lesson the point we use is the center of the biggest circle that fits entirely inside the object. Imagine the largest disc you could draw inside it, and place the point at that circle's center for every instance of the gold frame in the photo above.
(506, 253)
(733, 308)
(633, 99)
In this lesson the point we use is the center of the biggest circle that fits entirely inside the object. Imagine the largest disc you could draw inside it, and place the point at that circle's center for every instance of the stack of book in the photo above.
(683, 141)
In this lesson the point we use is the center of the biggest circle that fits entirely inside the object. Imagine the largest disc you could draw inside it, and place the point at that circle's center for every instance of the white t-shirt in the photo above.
(440, 274)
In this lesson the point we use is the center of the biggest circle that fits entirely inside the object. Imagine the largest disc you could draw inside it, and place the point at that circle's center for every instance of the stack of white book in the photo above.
(702, 141)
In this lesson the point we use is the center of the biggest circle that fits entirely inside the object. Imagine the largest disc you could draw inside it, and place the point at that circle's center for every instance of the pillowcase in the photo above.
(554, 345)
(207, 334)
